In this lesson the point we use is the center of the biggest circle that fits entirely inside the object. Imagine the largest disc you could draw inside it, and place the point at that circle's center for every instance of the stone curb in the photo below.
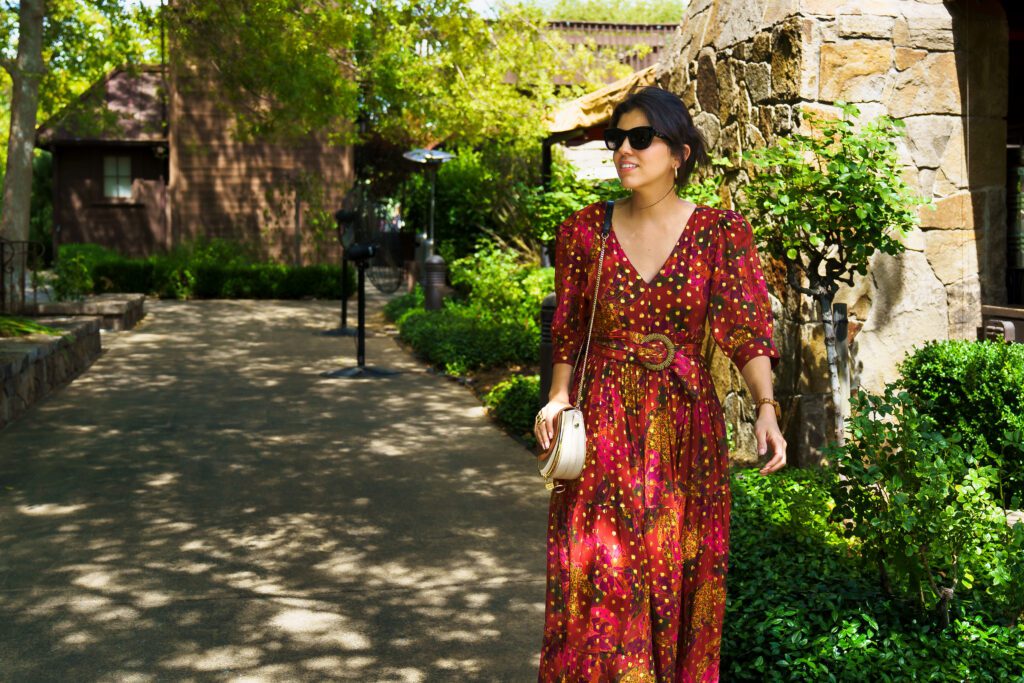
(35, 366)
(118, 312)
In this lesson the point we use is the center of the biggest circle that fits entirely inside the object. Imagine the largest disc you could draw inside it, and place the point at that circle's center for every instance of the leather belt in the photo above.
(655, 351)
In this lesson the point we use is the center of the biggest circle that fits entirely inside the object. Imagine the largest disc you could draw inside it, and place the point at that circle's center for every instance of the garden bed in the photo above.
(34, 366)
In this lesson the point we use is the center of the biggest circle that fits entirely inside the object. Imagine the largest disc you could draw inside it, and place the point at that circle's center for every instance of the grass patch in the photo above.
(15, 326)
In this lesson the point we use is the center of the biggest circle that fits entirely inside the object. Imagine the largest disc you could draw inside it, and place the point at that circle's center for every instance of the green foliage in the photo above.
(825, 202)
(91, 254)
(514, 402)
(396, 307)
(15, 326)
(73, 279)
(486, 194)
(82, 41)
(494, 322)
(41, 211)
(920, 507)
(465, 192)
(632, 12)
(456, 340)
(802, 606)
(545, 209)
(208, 269)
(705, 185)
(415, 73)
(976, 388)
(498, 286)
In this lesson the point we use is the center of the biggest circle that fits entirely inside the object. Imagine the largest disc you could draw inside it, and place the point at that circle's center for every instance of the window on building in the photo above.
(117, 176)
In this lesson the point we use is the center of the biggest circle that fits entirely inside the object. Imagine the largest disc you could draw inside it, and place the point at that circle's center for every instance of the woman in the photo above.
(637, 546)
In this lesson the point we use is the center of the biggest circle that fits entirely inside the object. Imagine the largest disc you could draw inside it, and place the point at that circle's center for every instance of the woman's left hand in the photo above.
(766, 429)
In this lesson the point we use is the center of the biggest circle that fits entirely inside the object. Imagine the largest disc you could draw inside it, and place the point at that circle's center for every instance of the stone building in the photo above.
(750, 69)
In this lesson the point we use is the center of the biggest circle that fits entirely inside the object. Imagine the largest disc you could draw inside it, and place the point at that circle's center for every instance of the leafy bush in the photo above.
(920, 506)
(457, 340)
(91, 254)
(514, 402)
(72, 278)
(464, 194)
(976, 388)
(124, 275)
(211, 269)
(500, 288)
(802, 606)
(495, 321)
(396, 308)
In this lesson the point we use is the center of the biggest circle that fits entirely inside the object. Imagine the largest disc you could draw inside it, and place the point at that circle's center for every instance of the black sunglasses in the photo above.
(639, 137)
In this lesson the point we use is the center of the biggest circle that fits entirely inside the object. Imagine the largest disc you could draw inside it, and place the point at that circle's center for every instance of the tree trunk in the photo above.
(25, 76)
(825, 304)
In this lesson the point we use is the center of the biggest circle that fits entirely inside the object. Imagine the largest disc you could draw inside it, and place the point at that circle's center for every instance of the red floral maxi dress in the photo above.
(638, 545)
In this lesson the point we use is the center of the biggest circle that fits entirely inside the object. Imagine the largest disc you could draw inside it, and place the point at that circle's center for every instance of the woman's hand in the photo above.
(544, 430)
(766, 429)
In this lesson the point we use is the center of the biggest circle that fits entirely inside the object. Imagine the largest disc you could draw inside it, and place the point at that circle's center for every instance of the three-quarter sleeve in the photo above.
(739, 308)
(570, 287)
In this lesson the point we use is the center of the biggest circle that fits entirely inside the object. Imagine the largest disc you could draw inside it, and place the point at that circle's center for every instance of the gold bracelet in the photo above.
(778, 409)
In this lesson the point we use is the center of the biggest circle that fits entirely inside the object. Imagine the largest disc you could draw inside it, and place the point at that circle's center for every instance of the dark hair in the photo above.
(668, 114)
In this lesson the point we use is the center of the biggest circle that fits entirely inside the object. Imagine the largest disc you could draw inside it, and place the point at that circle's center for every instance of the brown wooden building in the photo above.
(621, 37)
(146, 159)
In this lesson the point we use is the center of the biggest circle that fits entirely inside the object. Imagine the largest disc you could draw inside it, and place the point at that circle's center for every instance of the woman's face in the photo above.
(640, 167)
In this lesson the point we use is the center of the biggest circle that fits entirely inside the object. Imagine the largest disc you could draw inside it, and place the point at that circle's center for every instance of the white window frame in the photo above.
(117, 176)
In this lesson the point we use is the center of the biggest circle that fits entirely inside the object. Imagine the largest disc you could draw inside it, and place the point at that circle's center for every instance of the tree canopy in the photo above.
(82, 41)
(412, 73)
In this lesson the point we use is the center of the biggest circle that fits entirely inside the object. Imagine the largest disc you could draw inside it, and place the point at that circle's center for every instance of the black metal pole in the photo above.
(344, 294)
(361, 320)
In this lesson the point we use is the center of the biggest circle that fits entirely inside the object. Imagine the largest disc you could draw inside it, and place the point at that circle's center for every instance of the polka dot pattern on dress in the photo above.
(637, 546)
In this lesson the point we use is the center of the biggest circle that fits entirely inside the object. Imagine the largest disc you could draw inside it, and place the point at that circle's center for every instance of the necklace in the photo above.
(641, 208)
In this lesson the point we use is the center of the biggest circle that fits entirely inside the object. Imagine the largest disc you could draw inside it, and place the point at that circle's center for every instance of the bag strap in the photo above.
(608, 207)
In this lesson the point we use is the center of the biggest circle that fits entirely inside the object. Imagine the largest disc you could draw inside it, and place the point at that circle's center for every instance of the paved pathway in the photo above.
(202, 506)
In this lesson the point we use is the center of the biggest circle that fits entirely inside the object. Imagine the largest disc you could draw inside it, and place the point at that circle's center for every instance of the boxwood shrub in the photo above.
(514, 402)
(976, 388)
(457, 340)
(210, 269)
(802, 607)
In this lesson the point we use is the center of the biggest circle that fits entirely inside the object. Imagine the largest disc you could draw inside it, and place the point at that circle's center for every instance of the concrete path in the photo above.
(202, 506)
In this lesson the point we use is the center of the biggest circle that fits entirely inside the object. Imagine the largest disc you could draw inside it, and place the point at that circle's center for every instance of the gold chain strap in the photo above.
(593, 312)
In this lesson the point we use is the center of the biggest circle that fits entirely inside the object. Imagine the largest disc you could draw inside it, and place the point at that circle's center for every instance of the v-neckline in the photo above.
(668, 259)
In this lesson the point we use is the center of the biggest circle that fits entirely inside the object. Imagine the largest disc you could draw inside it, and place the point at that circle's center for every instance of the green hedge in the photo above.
(977, 388)
(456, 339)
(801, 607)
(514, 402)
(213, 269)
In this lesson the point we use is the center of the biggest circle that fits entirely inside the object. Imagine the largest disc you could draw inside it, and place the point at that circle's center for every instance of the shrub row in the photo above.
(457, 340)
(214, 269)
(251, 281)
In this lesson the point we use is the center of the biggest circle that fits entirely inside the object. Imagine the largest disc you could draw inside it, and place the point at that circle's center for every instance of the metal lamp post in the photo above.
(432, 158)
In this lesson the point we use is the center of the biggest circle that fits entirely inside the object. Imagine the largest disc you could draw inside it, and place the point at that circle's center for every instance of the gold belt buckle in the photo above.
(669, 347)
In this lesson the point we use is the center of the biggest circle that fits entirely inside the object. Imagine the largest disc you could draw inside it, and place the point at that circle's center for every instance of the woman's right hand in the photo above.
(544, 430)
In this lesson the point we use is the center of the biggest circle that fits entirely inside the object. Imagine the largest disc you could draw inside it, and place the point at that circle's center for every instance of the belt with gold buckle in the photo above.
(670, 351)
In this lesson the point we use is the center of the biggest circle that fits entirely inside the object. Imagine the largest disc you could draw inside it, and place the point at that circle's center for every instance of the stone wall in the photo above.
(750, 69)
(33, 367)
